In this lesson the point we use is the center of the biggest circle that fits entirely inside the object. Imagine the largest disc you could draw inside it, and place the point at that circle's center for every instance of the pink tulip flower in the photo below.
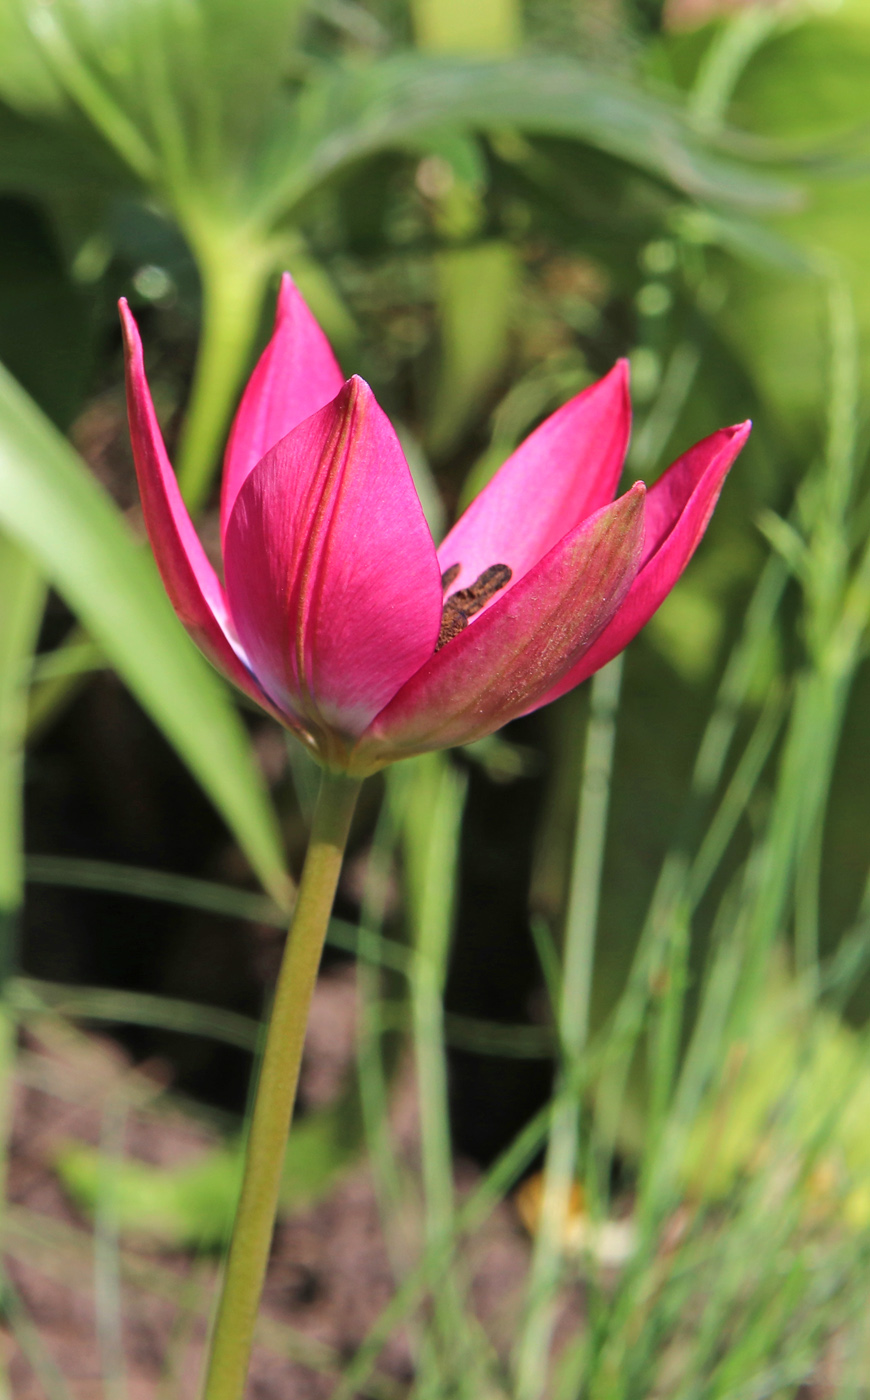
(338, 614)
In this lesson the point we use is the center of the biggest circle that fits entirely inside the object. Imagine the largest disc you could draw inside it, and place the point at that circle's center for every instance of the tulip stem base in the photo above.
(236, 1318)
(234, 281)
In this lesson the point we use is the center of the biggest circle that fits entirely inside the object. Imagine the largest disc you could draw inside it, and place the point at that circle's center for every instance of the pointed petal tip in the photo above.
(635, 496)
(735, 438)
(357, 392)
(619, 375)
(134, 356)
(631, 506)
(129, 328)
(287, 293)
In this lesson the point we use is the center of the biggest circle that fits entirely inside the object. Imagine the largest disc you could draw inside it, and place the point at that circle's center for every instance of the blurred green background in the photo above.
(484, 205)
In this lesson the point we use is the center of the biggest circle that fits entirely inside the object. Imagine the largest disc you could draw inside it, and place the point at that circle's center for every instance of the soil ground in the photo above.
(329, 1275)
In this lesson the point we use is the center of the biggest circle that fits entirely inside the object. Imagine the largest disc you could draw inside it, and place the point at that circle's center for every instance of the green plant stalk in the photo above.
(236, 1318)
(477, 284)
(724, 61)
(23, 591)
(836, 611)
(371, 1069)
(573, 1028)
(107, 1262)
(432, 829)
(234, 273)
(439, 800)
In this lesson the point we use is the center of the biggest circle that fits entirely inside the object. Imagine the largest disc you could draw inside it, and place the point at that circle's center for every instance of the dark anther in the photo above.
(449, 575)
(462, 605)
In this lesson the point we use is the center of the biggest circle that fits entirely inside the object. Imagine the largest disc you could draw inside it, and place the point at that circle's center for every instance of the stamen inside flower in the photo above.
(462, 605)
(449, 575)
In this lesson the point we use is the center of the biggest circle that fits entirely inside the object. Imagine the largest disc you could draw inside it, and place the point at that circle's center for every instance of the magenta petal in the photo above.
(332, 578)
(497, 668)
(679, 507)
(193, 586)
(296, 375)
(564, 471)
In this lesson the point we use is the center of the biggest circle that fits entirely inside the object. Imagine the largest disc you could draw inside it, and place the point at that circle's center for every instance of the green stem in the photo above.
(371, 1067)
(573, 1019)
(233, 283)
(433, 827)
(276, 1091)
(23, 592)
(724, 62)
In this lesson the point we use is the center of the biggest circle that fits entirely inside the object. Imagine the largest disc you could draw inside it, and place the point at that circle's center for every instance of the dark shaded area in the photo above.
(47, 324)
(494, 970)
(103, 784)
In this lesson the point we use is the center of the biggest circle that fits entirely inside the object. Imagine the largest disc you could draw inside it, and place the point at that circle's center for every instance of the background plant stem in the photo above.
(23, 591)
(276, 1091)
(580, 926)
(233, 285)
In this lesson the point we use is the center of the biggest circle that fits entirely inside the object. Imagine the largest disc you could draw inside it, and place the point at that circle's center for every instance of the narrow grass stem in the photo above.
(107, 1261)
(276, 1091)
(372, 1070)
(432, 829)
(573, 1028)
(443, 794)
(725, 59)
(23, 592)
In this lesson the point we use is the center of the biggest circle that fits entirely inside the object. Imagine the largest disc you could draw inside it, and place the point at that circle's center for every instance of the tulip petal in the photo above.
(193, 586)
(497, 668)
(679, 506)
(332, 577)
(296, 375)
(567, 469)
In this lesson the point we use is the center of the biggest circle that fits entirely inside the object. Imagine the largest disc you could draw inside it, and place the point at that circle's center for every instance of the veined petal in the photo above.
(567, 469)
(679, 506)
(498, 668)
(332, 578)
(296, 375)
(193, 586)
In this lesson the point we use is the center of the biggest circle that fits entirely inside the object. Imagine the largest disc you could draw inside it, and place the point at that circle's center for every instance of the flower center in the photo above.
(460, 606)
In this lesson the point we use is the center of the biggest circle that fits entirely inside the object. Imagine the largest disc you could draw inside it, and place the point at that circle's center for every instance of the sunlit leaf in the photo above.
(182, 91)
